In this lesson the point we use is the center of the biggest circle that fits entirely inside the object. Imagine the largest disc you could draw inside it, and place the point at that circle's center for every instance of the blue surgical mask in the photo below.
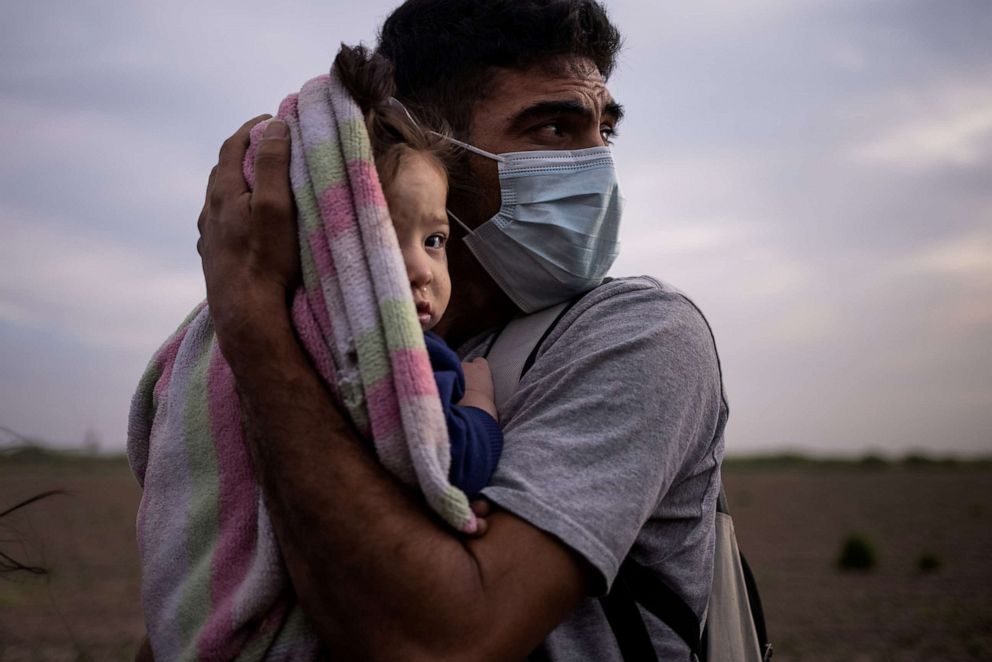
(555, 234)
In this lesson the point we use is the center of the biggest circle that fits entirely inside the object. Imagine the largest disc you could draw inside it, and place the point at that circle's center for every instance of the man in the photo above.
(612, 442)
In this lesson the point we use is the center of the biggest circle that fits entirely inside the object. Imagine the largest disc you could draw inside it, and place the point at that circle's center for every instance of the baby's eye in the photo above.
(436, 241)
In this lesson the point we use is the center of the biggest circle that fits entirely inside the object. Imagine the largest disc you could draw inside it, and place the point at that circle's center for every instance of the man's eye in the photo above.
(609, 133)
(553, 128)
(435, 241)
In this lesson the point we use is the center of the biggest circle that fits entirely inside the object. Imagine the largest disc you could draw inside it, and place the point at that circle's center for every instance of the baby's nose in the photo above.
(419, 272)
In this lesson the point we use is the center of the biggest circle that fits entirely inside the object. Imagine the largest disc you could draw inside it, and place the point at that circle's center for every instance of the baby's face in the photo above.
(417, 197)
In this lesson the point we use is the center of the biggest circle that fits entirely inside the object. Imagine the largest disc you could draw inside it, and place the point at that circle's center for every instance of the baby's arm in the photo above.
(479, 386)
(474, 435)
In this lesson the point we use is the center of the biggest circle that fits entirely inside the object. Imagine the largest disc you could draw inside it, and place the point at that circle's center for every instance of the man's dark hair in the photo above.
(444, 51)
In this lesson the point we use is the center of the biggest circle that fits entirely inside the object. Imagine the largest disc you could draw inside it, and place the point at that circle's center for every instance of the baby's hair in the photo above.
(368, 76)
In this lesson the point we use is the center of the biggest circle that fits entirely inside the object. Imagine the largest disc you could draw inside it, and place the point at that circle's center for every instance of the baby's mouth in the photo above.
(424, 313)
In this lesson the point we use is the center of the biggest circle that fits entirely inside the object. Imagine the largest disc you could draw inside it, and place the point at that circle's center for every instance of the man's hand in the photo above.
(479, 391)
(248, 241)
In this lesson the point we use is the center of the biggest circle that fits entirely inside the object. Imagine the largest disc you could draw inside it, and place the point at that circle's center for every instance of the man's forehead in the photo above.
(564, 78)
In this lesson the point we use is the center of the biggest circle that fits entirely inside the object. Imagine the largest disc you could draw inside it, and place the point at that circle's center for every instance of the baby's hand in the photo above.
(482, 510)
(478, 386)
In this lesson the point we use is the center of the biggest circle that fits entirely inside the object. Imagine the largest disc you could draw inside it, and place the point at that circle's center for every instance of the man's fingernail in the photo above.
(275, 129)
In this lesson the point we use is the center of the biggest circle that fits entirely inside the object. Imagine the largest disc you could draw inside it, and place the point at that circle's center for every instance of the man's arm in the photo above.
(377, 574)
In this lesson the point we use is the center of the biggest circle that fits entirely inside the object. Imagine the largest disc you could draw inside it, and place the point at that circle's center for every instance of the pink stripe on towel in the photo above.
(384, 409)
(336, 207)
(365, 172)
(236, 500)
(412, 373)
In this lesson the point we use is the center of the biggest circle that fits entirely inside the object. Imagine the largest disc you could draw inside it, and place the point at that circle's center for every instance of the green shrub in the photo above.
(857, 553)
(928, 562)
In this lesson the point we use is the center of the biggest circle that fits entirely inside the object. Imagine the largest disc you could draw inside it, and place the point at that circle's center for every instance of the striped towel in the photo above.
(213, 582)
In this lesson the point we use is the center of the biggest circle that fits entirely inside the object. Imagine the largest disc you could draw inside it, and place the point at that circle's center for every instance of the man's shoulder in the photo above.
(635, 296)
(626, 284)
(629, 285)
(621, 306)
(640, 304)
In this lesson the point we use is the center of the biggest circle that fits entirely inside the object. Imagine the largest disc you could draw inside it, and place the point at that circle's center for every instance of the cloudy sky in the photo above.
(816, 174)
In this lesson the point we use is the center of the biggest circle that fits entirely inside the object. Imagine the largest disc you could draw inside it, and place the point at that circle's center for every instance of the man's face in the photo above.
(558, 104)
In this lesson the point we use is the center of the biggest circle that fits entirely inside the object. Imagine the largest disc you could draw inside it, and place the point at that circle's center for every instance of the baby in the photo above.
(414, 181)
(416, 192)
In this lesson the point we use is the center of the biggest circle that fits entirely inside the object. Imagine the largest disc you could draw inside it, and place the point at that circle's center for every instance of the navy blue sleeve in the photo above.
(475, 437)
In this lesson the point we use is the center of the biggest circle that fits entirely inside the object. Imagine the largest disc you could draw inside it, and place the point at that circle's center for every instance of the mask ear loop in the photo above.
(471, 148)
(393, 101)
(457, 220)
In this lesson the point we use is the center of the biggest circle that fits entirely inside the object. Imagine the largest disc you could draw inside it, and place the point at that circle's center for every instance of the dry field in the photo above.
(87, 607)
(791, 521)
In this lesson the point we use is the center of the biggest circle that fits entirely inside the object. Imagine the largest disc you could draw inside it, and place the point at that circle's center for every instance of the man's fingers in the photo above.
(230, 177)
(272, 197)
(211, 182)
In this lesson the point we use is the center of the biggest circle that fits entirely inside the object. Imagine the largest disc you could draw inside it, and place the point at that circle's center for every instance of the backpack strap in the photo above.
(620, 607)
(516, 345)
(636, 585)
(751, 588)
(757, 610)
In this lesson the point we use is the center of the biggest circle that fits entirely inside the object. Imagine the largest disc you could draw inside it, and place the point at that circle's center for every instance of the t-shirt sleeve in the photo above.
(622, 395)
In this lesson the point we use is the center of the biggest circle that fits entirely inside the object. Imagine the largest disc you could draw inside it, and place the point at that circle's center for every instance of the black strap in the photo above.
(644, 587)
(625, 620)
(757, 611)
(544, 336)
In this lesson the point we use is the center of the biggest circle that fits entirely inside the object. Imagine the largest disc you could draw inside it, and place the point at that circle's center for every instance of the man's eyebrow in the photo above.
(544, 109)
(614, 111)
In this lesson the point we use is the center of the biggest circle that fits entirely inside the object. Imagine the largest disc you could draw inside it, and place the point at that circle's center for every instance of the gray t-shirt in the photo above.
(612, 443)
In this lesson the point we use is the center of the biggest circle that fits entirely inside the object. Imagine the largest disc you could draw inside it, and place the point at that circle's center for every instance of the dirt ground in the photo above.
(791, 522)
(87, 607)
